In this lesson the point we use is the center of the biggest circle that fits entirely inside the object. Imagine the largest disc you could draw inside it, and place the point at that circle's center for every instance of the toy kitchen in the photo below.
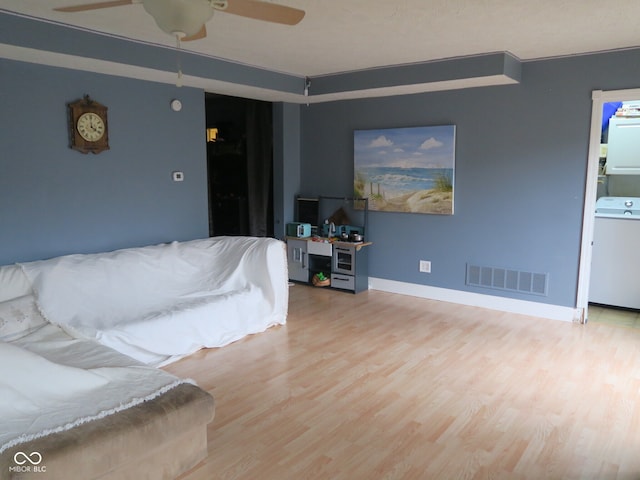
(327, 244)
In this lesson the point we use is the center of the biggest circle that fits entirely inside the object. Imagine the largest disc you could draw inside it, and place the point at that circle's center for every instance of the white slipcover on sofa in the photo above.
(162, 302)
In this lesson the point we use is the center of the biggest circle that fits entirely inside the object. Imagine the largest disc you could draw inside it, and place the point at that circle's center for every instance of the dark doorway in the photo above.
(240, 166)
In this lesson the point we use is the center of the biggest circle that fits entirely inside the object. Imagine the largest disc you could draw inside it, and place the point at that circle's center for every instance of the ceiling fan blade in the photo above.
(94, 6)
(268, 12)
(196, 36)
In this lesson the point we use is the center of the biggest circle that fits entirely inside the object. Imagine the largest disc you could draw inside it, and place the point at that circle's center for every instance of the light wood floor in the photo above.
(385, 386)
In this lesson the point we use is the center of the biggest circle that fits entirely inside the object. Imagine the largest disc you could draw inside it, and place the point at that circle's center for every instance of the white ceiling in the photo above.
(345, 35)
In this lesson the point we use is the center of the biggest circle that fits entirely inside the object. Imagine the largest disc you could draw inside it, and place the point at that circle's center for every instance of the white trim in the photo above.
(591, 189)
(534, 309)
(41, 57)
(598, 98)
(457, 84)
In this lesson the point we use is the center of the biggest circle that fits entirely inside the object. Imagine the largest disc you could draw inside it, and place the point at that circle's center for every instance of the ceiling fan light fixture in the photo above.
(179, 17)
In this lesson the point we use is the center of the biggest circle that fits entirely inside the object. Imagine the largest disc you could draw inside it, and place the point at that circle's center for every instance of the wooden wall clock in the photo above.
(88, 127)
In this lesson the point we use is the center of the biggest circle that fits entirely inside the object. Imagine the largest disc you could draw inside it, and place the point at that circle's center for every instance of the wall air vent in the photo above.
(507, 279)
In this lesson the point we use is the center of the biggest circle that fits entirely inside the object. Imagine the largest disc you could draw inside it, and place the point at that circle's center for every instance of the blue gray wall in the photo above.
(286, 168)
(54, 200)
(521, 158)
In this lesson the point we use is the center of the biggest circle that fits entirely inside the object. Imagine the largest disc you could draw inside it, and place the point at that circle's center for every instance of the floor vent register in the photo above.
(507, 279)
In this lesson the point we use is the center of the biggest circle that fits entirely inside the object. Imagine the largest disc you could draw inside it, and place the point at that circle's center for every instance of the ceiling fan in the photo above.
(186, 18)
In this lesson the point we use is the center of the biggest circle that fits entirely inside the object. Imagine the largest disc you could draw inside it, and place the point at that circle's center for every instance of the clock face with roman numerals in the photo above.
(90, 126)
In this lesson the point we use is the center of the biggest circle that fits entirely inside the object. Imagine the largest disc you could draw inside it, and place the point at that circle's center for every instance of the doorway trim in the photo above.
(598, 99)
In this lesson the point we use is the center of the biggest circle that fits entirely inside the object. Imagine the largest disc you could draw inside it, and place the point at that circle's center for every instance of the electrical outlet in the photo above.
(425, 266)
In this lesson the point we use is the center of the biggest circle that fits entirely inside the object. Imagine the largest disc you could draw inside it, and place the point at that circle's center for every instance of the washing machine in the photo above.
(615, 264)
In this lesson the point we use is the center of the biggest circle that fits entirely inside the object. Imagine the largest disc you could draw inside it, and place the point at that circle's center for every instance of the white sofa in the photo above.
(161, 302)
(75, 329)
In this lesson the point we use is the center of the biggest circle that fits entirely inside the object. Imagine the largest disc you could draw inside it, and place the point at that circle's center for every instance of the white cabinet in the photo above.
(623, 149)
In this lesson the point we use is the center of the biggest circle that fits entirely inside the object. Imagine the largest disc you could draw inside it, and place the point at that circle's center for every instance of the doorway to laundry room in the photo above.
(612, 211)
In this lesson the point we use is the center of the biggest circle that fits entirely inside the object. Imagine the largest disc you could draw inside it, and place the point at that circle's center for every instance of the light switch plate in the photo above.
(177, 176)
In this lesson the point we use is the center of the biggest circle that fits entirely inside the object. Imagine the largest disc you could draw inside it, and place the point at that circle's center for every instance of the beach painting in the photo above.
(406, 169)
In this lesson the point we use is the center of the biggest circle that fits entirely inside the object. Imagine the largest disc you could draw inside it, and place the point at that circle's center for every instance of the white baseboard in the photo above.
(535, 309)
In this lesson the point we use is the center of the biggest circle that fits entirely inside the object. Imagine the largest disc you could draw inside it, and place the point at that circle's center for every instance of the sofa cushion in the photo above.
(19, 317)
(13, 282)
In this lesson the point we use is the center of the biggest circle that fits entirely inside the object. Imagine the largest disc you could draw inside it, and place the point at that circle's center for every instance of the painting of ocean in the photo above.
(406, 169)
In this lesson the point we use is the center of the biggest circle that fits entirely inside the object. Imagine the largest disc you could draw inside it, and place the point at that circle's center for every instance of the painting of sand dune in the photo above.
(406, 169)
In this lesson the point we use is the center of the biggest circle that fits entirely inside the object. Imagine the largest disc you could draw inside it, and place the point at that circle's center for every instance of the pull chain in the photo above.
(179, 79)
